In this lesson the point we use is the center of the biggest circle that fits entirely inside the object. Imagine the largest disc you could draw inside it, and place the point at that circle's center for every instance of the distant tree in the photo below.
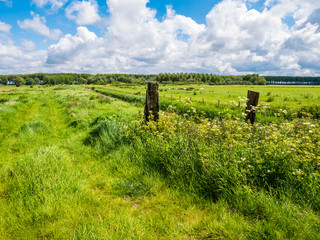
(36, 80)
(82, 80)
(30, 81)
(260, 81)
(4, 80)
(18, 81)
(255, 79)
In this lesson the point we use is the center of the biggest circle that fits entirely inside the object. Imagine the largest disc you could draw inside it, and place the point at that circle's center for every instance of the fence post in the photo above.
(253, 98)
(152, 102)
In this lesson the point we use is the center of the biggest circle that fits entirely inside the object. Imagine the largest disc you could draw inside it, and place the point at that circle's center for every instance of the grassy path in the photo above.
(53, 186)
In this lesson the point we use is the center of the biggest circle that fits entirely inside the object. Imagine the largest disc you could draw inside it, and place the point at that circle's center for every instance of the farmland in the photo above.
(76, 164)
(228, 101)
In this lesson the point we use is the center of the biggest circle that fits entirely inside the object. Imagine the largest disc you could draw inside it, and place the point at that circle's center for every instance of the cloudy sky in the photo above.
(269, 37)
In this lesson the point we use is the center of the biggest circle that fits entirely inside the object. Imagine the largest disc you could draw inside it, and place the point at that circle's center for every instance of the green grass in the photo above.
(77, 165)
(277, 103)
(290, 96)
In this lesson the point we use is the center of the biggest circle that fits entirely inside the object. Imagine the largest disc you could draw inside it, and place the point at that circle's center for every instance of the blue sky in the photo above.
(269, 37)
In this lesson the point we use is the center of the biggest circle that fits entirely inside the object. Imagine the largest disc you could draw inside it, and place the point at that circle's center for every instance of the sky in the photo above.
(268, 37)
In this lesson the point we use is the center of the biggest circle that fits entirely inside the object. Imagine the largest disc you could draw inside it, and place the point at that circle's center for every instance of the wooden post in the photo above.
(152, 102)
(253, 98)
(218, 102)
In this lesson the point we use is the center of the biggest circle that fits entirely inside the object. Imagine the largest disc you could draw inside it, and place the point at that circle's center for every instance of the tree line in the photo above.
(101, 79)
(164, 78)
(285, 80)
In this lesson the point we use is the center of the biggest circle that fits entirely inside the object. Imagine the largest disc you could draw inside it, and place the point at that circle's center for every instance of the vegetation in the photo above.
(227, 102)
(285, 80)
(76, 164)
(102, 79)
(164, 78)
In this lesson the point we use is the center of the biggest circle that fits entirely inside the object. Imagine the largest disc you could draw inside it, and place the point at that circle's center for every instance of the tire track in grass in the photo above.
(38, 180)
(23, 111)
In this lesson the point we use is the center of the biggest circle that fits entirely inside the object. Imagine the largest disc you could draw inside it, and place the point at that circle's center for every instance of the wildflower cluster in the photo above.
(218, 155)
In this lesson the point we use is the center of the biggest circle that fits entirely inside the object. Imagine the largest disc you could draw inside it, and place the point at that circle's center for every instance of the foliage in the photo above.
(289, 80)
(103, 79)
(218, 157)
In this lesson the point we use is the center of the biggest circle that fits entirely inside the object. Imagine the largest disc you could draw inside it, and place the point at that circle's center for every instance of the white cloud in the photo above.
(55, 4)
(252, 41)
(38, 25)
(84, 12)
(14, 60)
(72, 49)
(235, 40)
(134, 42)
(4, 27)
(28, 45)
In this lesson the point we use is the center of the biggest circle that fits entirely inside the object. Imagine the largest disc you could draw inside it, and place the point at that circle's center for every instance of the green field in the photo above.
(277, 103)
(75, 164)
(280, 96)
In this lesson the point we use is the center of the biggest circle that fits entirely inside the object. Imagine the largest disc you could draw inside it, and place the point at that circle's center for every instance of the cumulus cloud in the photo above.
(252, 41)
(133, 43)
(236, 39)
(13, 59)
(38, 25)
(84, 12)
(71, 49)
(4, 27)
(28, 45)
(55, 4)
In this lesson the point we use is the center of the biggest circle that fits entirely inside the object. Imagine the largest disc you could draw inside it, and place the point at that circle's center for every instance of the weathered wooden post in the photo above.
(152, 102)
(253, 98)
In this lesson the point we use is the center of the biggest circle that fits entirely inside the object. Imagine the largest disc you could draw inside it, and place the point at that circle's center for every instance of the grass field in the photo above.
(282, 96)
(277, 103)
(75, 164)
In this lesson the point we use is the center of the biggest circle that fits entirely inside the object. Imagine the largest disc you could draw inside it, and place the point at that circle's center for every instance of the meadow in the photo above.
(76, 164)
(276, 103)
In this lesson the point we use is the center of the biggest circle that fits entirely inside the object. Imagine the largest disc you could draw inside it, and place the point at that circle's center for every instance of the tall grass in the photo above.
(258, 170)
(217, 157)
